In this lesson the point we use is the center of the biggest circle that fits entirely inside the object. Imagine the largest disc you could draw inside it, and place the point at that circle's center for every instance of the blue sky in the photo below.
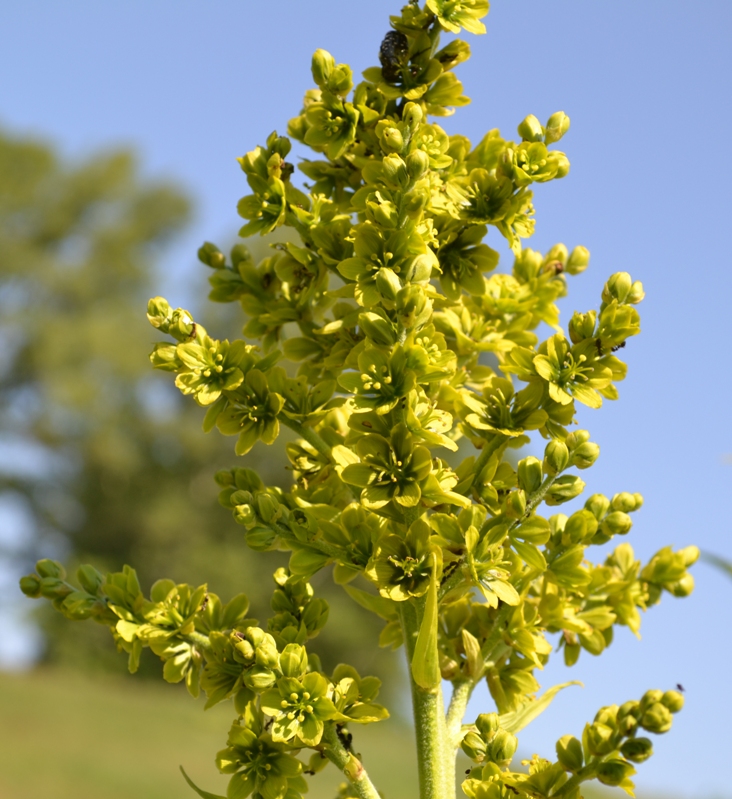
(647, 85)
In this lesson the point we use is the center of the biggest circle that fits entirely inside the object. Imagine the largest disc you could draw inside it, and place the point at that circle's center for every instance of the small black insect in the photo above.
(345, 738)
(286, 170)
(680, 687)
(618, 346)
(393, 54)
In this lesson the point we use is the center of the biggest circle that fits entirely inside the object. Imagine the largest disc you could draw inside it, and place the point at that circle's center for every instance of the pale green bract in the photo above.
(409, 367)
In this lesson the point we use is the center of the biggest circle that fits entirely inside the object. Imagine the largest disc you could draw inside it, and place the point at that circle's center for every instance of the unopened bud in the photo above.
(624, 501)
(636, 293)
(556, 457)
(30, 585)
(683, 587)
(582, 326)
(585, 455)
(503, 747)
(569, 753)
(617, 523)
(530, 129)
(474, 746)
(529, 474)
(322, 65)
(418, 162)
(614, 772)
(488, 725)
(673, 700)
(557, 125)
(392, 141)
(50, 568)
(395, 170)
(267, 506)
(557, 253)
(617, 288)
(412, 115)
(566, 487)
(211, 255)
(578, 260)
(89, 578)
(657, 719)
(598, 505)
(637, 750)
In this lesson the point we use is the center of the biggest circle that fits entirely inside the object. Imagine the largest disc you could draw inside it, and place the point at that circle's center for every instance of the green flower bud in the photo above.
(556, 457)
(529, 474)
(89, 578)
(418, 162)
(158, 313)
(637, 750)
(614, 772)
(571, 654)
(557, 125)
(322, 65)
(651, 697)
(474, 746)
(578, 261)
(210, 255)
(488, 725)
(657, 719)
(53, 588)
(267, 506)
(412, 115)
(78, 605)
(239, 254)
(530, 129)
(578, 437)
(598, 505)
(690, 555)
(600, 739)
(294, 661)
(30, 585)
(562, 165)
(673, 700)
(516, 504)
(502, 748)
(392, 140)
(557, 253)
(50, 568)
(683, 587)
(617, 288)
(569, 753)
(395, 170)
(582, 326)
(566, 487)
(624, 501)
(259, 679)
(389, 286)
(636, 293)
(585, 455)
(617, 523)
(580, 527)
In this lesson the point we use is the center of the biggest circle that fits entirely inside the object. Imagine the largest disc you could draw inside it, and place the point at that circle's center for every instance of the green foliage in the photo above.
(385, 304)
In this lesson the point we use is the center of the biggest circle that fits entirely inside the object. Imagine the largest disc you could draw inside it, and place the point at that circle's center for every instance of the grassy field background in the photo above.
(66, 736)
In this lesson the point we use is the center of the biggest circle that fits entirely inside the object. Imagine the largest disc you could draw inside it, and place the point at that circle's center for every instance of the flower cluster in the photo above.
(410, 368)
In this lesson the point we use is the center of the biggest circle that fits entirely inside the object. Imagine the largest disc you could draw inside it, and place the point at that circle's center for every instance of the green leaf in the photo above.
(425, 668)
(204, 794)
(518, 719)
(381, 606)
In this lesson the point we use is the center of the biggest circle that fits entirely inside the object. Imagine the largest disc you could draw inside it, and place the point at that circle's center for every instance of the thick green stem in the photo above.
(200, 640)
(433, 753)
(348, 763)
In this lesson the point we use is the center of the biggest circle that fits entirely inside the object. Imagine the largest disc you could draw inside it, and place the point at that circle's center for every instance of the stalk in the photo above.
(348, 763)
(433, 753)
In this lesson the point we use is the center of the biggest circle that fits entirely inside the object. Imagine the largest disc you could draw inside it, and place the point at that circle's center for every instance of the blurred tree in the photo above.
(116, 470)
